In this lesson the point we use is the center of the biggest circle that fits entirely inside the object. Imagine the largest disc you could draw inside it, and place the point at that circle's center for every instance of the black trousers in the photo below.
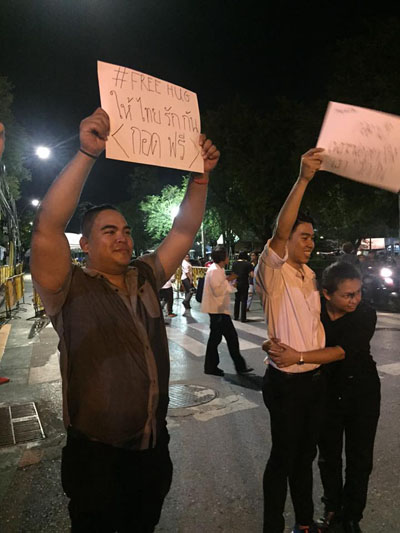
(187, 284)
(112, 489)
(221, 325)
(168, 296)
(241, 302)
(353, 415)
(295, 404)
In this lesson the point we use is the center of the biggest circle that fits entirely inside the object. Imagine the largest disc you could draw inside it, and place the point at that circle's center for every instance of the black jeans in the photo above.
(295, 404)
(221, 325)
(168, 296)
(241, 302)
(353, 414)
(187, 284)
(112, 489)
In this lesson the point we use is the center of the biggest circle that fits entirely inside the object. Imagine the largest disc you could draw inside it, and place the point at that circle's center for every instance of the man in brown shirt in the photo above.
(116, 468)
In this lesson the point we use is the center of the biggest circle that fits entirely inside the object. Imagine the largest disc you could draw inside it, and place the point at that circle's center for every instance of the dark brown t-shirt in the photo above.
(113, 354)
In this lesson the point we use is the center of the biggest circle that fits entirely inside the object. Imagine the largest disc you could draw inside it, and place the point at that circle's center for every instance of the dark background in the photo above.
(220, 49)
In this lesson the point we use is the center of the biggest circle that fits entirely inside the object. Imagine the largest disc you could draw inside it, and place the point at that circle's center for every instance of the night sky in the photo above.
(219, 49)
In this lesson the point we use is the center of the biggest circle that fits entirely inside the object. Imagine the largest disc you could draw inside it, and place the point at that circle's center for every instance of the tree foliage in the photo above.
(159, 210)
(261, 148)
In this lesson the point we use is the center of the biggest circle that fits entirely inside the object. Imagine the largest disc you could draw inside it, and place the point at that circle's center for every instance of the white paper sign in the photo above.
(362, 144)
(151, 121)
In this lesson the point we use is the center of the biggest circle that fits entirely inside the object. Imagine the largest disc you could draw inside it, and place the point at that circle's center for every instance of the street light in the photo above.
(34, 203)
(43, 152)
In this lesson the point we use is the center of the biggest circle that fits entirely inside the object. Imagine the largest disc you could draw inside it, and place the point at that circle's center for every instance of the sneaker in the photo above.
(171, 315)
(329, 518)
(4, 380)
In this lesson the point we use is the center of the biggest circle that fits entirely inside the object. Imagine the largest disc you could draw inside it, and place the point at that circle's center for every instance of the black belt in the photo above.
(293, 375)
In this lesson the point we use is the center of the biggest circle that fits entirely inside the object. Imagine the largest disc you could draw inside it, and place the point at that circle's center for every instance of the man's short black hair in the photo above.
(88, 217)
(219, 253)
(301, 217)
(336, 273)
(244, 255)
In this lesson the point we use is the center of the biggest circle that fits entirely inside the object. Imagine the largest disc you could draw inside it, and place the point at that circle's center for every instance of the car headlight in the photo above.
(386, 272)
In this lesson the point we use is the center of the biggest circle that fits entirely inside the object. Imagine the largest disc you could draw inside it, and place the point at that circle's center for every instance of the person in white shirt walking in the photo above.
(167, 296)
(294, 394)
(215, 302)
(187, 281)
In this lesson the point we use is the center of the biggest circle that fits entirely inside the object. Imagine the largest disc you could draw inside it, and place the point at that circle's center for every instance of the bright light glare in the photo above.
(43, 152)
(35, 202)
(174, 211)
(386, 272)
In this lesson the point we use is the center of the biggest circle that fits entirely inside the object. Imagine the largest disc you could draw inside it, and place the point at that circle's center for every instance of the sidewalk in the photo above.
(31, 363)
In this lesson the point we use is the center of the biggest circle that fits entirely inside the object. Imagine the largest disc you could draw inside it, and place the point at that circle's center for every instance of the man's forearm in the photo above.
(62, 198)
(324, 355)
(288, 214)
(192, 208)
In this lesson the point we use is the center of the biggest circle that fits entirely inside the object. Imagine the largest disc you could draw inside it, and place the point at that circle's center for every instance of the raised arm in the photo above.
(310, 163)
(187, 223)
(50, 253)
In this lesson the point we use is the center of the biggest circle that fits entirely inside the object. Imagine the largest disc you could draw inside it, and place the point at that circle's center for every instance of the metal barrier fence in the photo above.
(14, 292)
(197, 272)
(37, 303)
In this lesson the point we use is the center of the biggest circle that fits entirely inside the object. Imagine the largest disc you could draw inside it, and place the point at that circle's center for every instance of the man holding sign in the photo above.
(293, 395)
(116, 468)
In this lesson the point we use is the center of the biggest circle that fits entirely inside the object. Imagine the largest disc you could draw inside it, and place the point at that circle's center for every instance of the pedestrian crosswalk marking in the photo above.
(185, 341)
(205, 328)
(391, 368)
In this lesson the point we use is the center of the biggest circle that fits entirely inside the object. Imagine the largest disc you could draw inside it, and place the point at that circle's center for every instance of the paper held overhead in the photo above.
(361, 144)
(151, 121)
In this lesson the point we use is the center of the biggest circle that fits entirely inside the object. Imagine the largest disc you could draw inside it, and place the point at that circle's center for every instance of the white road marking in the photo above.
(205, 328)
(191, 345)
(391, 368)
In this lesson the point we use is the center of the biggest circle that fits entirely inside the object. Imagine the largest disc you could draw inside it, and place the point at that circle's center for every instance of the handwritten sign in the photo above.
(362, 144)
(151, 121)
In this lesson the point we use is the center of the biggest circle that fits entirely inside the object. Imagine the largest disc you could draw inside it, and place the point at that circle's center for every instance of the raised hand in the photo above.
(209, 153)
(94, 131)
(310, 163)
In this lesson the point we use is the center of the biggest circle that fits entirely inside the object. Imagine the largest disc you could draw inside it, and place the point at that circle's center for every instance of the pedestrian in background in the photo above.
(243, 270)
(216, 302)
(253, 261)
(167, 296)
(187, 281)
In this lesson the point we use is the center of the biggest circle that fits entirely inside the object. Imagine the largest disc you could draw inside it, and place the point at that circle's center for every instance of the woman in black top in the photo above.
(353, 396)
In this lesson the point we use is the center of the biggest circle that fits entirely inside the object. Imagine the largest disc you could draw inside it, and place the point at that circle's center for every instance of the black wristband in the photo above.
(87, 153)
